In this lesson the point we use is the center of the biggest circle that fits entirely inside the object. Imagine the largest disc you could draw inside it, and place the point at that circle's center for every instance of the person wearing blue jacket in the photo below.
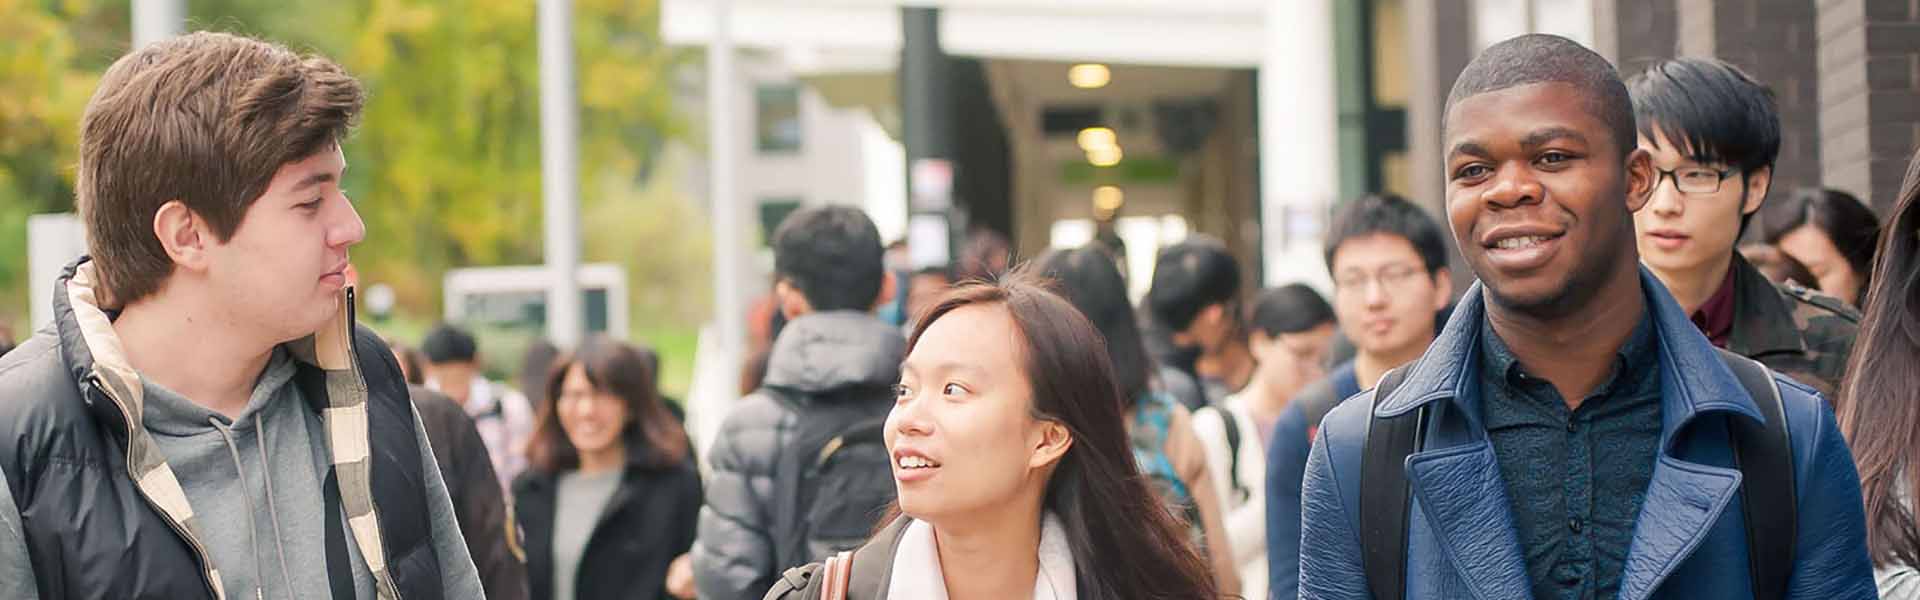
(1570, 433)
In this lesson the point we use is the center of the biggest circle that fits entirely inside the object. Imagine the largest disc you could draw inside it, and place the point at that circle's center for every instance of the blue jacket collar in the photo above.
(1693, 380)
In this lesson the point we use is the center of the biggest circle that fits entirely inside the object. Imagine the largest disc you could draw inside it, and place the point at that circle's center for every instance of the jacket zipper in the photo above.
(360, 387)
(199, 551)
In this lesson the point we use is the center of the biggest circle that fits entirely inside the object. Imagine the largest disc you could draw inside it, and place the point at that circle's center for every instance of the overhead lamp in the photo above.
(1104, 156)
(1096, 137)
(1108, 198)
(1089, 76)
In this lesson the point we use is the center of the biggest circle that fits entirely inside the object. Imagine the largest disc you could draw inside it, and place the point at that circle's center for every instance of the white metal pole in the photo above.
(1299, 178)
(560, 172)
(729, 316)
(155, 20)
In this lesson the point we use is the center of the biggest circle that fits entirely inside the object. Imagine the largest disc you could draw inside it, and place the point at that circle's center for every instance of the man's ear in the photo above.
(792, 303)
(889, 287)
(183, 235)
(1639, 179)
(1055, 439)
(1442, 288)
(1758, 182)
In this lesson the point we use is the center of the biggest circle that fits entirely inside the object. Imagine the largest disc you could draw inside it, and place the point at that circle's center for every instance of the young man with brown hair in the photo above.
(204, 418)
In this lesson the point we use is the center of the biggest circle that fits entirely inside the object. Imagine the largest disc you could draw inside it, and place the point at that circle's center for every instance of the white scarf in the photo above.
(917, 575)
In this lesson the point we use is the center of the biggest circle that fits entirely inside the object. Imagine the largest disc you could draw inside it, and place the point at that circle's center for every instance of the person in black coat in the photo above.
(610, 502)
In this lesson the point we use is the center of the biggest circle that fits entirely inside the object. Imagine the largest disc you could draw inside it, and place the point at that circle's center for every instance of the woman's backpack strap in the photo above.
(798, 583)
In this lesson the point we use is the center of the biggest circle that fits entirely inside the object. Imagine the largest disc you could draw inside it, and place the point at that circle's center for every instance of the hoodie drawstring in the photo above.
(253, 533)
(253, 536)
(279, 546)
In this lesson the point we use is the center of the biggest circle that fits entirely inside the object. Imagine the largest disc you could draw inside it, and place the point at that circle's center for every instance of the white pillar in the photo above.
(560, 173)
(728, 311)
(1299, 148)
(155, 20)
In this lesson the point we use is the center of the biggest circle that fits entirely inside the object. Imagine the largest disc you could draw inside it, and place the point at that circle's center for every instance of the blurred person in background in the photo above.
(829, 382)
(1388, 259)
(1193, 308)
(1879, 409)
(503, 416)
(925, 287)
(610, 500)
(1778, 266)
(1159, 429)
(535, 363)
(1714, 134)
(1831, 232)
(413, 364)
(1010, 454)
(1289, 329)
(985, 256)
(479, 504)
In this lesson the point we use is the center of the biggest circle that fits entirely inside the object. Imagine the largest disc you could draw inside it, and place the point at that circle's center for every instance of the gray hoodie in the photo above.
(259, 477)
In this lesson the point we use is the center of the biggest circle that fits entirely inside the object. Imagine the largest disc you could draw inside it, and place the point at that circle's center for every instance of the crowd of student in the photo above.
(1625, 403)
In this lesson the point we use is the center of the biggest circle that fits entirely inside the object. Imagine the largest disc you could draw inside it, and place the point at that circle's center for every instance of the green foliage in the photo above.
(50, 55)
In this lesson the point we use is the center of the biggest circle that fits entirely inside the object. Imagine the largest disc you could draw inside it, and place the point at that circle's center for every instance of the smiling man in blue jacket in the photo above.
(1570, 434)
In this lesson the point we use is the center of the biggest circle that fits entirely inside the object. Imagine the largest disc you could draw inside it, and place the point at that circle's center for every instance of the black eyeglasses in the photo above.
(1693, 180)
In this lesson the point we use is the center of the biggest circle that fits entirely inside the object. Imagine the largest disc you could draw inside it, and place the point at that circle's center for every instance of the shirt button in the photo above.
(1574, 524)
(1573, 426)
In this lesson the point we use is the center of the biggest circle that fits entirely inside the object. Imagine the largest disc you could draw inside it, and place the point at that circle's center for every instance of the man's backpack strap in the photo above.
(1764, 455)
(1383, 492)
(1232, 425)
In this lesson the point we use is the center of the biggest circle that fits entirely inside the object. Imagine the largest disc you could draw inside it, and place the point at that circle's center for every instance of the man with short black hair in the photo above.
(204, 419)
(1389, 264)
(501, 414)
(833, 365)
(1193, 318)
(1713, 134)
(1571, 434)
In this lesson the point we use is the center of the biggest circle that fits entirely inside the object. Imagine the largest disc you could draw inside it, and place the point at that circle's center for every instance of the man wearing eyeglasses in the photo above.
(1714, 134)
(1389, 264)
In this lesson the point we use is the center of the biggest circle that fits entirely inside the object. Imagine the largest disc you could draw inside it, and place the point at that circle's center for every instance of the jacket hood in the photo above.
(822, 352)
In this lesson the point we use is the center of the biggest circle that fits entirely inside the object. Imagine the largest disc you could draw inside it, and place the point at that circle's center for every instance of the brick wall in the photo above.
(1775, 41)
(1869, 95)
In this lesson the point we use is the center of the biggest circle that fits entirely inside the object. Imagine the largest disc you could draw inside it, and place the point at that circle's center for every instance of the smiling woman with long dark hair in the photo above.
(612, 496)
(1879, 407)
(1014, 472)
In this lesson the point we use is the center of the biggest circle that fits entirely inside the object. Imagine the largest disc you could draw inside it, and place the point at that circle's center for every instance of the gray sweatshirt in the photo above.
(261, 503)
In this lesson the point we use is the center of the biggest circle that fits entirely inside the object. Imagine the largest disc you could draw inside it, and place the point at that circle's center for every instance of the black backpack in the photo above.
(832, 484)
(1762, 453)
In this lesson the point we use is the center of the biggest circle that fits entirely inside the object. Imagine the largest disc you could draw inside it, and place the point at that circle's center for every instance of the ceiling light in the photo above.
(1089, 76)
(1096, 137)
(1108, 198)
(1104, 157)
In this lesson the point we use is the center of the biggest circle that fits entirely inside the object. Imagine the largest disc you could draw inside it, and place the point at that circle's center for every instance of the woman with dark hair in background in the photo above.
(1011, 458)
(535, 364)
(1159, 429)
(611, 498)
(1832, 233)
(1290, 328)
(1879, 405)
